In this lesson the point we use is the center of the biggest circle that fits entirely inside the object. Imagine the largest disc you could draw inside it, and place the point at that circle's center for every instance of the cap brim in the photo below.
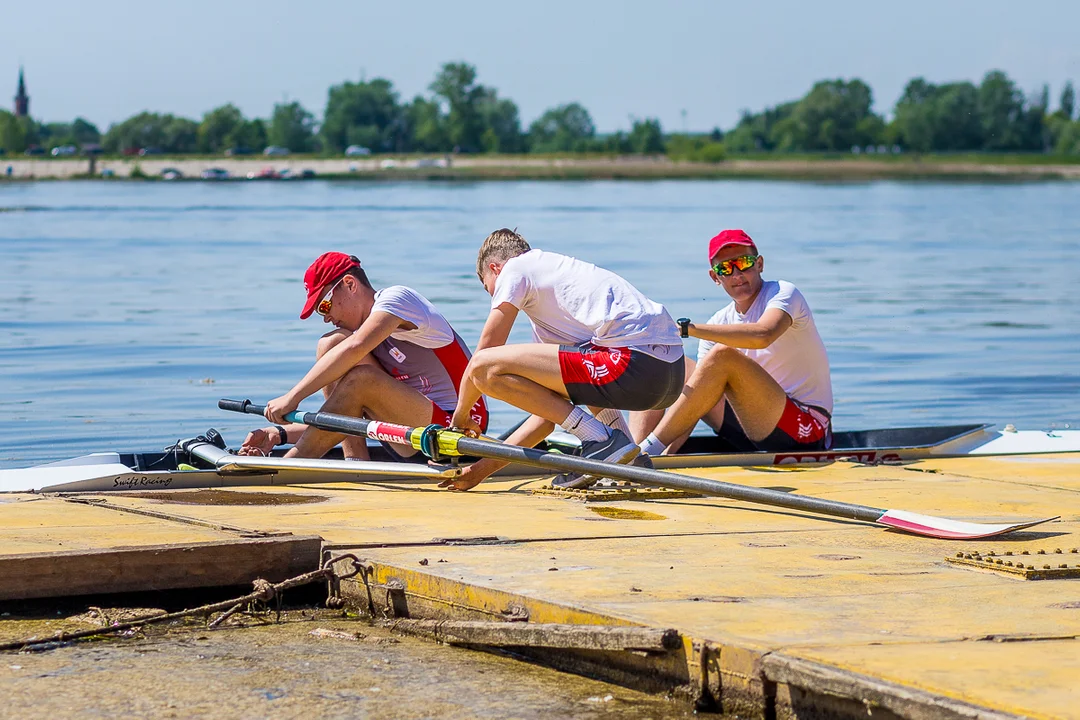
(309, 306)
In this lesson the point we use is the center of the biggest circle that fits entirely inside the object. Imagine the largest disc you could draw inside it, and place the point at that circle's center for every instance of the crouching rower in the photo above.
(762, 375)
(391, 357)
(599, 343)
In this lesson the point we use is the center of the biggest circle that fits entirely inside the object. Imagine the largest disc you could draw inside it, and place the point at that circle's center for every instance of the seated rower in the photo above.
(762, 375)
(599, 343)
(391, 357)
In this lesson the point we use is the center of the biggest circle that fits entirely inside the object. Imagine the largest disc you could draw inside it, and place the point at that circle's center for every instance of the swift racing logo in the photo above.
(130, 482)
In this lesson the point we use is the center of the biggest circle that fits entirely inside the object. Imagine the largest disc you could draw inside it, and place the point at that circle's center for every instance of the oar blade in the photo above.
(947, 529)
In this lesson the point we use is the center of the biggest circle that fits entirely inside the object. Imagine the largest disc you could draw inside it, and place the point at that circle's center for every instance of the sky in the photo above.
(110, 59)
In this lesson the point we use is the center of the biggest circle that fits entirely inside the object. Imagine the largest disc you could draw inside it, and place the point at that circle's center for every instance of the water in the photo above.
(128, 309)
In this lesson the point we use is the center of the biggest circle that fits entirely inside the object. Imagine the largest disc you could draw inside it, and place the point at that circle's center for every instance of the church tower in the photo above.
(22, 100)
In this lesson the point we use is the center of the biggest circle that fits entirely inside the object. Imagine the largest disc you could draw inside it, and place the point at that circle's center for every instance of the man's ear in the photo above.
(714, 276)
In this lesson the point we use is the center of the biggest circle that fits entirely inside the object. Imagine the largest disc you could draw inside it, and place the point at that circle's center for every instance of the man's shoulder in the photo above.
(398, 293)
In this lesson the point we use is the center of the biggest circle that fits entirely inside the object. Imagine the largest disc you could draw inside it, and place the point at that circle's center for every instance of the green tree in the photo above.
(363, 113)
(833, 116)
(1068, 101)
(455, 85)
(425, 127)
(502, 126)
(13, 132)
(293, 127)
(250, 134)
(179, 135)
(85, 132)
(646, 137)
(566, 128)
(167, 132)
(1000, 108)
(220, 129)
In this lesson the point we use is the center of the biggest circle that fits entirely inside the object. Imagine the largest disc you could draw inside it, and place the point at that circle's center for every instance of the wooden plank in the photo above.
(157, 567)
(546, 635)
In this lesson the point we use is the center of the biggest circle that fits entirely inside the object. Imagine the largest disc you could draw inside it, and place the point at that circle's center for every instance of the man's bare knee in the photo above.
(328, 341)
(718, 361)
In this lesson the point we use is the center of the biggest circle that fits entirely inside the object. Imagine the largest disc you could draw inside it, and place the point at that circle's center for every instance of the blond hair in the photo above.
(500, 246)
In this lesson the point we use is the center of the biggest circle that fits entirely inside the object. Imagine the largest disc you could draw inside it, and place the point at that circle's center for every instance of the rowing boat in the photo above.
(192, 464)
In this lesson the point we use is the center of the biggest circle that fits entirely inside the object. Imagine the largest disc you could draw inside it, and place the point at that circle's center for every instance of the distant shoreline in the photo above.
(479, 167)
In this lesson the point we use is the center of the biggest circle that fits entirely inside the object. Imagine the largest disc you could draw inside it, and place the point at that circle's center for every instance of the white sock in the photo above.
(584, 426)
(614, 419)
(652, 446)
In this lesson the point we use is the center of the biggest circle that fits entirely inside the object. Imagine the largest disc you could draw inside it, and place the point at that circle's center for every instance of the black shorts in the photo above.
(797, 429)
(619, 378)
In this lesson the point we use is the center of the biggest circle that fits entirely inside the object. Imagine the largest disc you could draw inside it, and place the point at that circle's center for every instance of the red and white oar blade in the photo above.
(947, 529)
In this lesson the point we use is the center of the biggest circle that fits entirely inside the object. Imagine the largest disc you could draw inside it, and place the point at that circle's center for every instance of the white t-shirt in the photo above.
(797, 359)
(432, 329)
(571, 302)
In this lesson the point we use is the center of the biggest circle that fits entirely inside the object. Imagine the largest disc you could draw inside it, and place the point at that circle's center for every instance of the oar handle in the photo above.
(246, 406)
(241, 406)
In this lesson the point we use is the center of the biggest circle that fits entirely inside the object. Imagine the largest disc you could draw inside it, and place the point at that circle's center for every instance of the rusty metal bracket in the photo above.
(1026, 564)
(396, 601)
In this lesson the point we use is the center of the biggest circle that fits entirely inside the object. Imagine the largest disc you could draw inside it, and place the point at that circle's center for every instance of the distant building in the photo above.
(22, 100)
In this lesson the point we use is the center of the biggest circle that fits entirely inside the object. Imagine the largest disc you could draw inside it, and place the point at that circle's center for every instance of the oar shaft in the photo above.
(454, 443)
(659, 478)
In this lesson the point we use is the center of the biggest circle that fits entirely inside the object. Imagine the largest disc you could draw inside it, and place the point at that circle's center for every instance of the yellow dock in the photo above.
(782, 614)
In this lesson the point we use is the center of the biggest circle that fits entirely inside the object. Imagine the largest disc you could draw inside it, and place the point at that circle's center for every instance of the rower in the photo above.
(392, 356)
(761, 380)
(599, 343)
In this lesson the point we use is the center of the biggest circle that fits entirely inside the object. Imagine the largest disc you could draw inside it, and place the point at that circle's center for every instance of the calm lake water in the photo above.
(128, 309)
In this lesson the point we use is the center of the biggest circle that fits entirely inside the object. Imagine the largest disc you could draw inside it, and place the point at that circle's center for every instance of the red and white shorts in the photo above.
(619, 377)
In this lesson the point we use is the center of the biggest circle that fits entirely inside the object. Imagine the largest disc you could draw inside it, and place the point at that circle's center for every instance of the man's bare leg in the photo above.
(725, 372)
(527, 376)
(366, 390)
(354, 448)
(644, 422)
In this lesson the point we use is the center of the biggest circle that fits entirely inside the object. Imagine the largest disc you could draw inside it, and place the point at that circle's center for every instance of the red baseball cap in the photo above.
(327, 268)
(729, 237)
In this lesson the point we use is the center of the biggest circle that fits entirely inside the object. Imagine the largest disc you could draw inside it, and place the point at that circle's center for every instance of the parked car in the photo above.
(267, 173)
(214, 174)
(131, 151)
(307, 174)
(92, 149)
(238, 150)
(34, 150)
(276, 151)
(286, 174)
(356, 151)
(151, 151)
(171, 174)
(108, 173)
(64, 151)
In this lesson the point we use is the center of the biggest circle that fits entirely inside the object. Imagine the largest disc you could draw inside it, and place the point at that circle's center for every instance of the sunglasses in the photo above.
(324, 305)
(741, 263)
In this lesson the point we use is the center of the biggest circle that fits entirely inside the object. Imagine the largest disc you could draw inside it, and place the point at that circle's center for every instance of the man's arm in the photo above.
(496, 330)
(529, 434)
(332, 366)
(774, 322)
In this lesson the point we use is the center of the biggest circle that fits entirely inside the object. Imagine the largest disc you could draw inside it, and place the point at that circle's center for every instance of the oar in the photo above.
(438, 442)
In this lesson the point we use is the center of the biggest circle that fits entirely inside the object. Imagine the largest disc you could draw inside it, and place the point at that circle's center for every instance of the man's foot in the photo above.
(572, 481)
(616, 448)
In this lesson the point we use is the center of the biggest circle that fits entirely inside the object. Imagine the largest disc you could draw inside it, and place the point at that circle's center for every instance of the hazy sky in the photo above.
(109, 59)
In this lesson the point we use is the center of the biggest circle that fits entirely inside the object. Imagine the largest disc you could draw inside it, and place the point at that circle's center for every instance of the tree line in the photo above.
(459, 114)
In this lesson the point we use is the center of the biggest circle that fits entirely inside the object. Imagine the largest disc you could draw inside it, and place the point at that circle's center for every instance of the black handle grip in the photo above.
(241, 406)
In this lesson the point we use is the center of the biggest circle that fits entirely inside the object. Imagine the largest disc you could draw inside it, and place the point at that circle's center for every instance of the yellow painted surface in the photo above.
(33, 524)
(1040, 679)
(844, 593)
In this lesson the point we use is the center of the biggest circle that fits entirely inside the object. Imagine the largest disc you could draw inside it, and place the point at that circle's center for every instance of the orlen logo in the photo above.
(387, 432)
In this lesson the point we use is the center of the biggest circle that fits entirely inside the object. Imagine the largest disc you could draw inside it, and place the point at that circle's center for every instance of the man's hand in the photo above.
(259, 442)
(464, 423)
(469, 478)
(278, 408)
